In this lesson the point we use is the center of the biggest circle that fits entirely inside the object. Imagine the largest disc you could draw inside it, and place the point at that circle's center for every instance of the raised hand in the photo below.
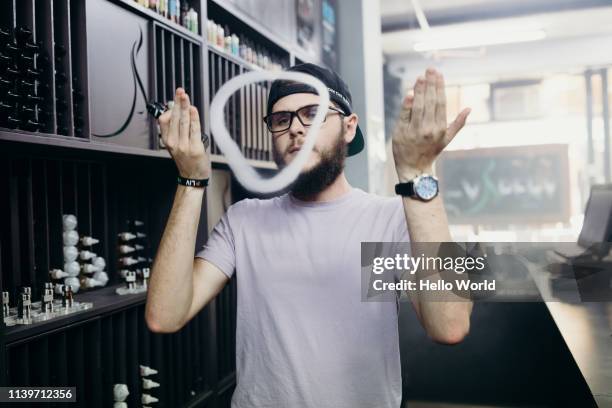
(182, 134)
(421, 132)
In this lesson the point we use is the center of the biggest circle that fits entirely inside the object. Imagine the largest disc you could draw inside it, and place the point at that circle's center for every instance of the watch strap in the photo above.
(405, 189)
(192, 182)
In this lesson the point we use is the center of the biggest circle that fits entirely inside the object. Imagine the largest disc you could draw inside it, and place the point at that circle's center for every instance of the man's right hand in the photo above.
(182, 134)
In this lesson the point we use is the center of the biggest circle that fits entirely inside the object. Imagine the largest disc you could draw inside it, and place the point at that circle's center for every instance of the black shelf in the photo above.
(293, 50)
(133, 6)
(47, 174)
(237, 14)
(104, 300)
(235, 59)
(77, 143)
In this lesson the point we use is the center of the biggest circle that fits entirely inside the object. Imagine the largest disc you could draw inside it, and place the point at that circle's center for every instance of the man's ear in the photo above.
(350, 127)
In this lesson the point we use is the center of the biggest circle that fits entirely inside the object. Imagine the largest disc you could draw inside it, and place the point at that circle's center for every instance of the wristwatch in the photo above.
(423, 187)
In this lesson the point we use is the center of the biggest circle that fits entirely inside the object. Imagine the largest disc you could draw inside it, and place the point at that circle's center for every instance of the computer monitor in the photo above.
(597, 228)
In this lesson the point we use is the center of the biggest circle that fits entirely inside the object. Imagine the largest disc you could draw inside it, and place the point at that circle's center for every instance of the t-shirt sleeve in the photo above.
(401, 227)
(219, 249)
(401, 238)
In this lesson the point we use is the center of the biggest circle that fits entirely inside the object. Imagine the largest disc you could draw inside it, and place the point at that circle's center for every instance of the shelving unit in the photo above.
(59, 165)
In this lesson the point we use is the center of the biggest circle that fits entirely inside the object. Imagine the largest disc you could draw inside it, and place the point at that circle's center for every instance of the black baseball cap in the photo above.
(338, 92)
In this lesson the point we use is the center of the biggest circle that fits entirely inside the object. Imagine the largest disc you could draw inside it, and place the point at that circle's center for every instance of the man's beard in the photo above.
(323, 174)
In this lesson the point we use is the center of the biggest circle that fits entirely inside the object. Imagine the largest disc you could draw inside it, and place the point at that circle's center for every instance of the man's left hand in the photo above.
(421, 132)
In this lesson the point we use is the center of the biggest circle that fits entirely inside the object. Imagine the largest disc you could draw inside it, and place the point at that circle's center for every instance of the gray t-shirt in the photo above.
(304, 337)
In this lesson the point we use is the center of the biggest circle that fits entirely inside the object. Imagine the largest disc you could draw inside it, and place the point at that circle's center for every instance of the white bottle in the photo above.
(69, 222)
(99, 262)
(89, 241)
(73, 282)
(149, 384)
(87, 283)
(89, 268)
(126, 249)
(127, 261)
(148, 399)
(59, 289)
(120, 392)
(126, 236)
(101, 277)
(220, 36)
(72, 268)
(70, 238)
(86, 255)
(70, 253)
(58, 274)
(147, 371)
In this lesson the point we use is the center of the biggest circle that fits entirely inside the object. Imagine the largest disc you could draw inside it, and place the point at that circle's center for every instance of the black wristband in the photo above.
(192, 182)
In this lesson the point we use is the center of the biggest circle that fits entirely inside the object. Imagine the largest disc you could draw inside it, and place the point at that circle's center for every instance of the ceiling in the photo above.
(578, 34)
(400, 15)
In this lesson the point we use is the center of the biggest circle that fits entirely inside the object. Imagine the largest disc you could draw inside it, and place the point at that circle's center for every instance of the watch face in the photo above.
(426, 188)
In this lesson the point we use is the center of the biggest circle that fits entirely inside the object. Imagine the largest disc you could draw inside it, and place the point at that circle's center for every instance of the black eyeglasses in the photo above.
(281, 121)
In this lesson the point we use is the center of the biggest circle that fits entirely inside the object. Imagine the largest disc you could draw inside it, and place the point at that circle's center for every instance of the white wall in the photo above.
(360, 53)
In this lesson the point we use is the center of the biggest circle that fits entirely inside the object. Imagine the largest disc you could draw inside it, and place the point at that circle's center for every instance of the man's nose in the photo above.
(296, 129)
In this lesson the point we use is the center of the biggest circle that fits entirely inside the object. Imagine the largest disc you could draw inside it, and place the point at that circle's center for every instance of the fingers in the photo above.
(175, 118)
(195, 129)
(440, 102)
(406, 111)
(457, 125)
(185, 120)
(429, 113)
(418, 104)
(164, 125)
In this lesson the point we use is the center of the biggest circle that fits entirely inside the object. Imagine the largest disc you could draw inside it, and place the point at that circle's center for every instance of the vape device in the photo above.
(67, 300)
(47, 299)
(5, 304)
(130, 280)
(24, 306)
(146, 272)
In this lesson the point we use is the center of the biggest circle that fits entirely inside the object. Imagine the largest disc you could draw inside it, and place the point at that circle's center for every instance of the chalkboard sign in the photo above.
(505, 185)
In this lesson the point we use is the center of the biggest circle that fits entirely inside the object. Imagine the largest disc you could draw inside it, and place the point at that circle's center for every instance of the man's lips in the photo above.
(294, 149)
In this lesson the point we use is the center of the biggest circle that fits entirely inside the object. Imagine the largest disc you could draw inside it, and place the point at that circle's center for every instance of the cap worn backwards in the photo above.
(337, 88)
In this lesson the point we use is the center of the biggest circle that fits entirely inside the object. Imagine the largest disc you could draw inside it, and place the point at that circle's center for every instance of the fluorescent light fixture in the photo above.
(478, 39)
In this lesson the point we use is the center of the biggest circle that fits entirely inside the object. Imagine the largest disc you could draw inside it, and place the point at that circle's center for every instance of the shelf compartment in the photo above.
(160, 19)
(177, 63)
(63, 68)
(244, 110)
(106, 345)
(40, 187)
